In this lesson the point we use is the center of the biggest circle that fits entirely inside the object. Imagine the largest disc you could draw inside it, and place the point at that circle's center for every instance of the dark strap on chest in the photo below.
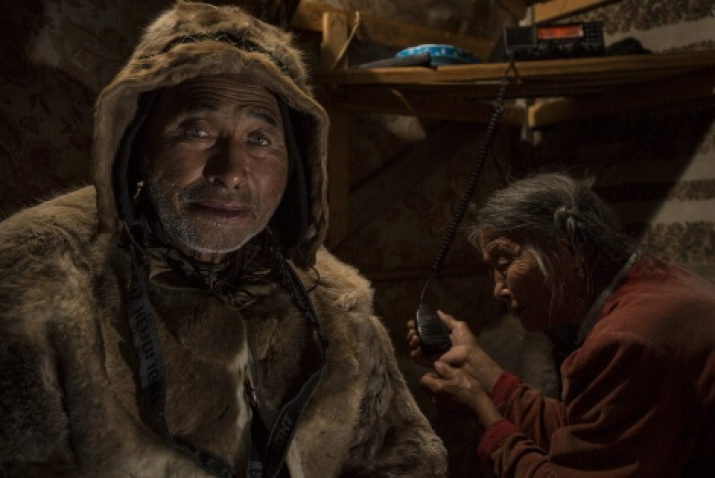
(267, 456)
(284, 428)
(152, 372)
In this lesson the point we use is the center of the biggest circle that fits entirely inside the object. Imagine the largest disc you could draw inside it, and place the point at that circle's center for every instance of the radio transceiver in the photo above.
(544, 42)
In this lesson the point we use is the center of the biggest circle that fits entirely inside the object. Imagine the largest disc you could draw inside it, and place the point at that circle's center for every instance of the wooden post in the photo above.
(335, 36)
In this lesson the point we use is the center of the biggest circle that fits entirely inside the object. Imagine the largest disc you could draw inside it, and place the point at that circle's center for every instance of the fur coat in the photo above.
(70, 398)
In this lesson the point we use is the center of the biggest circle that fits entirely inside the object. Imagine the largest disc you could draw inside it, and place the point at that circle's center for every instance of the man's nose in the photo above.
(228, 167)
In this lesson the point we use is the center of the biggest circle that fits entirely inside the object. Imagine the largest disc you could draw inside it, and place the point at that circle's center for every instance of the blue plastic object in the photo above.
(440, 54)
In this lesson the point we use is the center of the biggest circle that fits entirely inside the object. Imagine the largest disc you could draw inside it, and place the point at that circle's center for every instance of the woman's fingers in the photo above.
(458, 330)
(451, 384)
(444, 370)
(448, 320)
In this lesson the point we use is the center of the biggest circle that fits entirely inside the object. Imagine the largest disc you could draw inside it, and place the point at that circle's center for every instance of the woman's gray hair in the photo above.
(544, 211)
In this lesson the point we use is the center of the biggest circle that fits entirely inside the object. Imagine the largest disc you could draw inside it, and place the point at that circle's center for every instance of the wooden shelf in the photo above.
(548, 91)
(450, 91)
(545, 11)
(533, 79)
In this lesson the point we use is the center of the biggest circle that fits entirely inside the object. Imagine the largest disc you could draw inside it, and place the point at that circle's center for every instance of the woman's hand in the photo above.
(465, 374)
(472, 359)
(459, 334)
(455, 385)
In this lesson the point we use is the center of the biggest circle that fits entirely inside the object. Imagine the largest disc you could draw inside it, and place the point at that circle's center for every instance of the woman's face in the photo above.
(521, 285)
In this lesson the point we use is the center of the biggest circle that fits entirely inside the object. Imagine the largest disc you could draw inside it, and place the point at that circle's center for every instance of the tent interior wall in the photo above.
(402, 175)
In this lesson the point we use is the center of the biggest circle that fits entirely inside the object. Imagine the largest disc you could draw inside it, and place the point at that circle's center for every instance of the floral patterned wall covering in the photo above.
(657, 166)
(55, 56)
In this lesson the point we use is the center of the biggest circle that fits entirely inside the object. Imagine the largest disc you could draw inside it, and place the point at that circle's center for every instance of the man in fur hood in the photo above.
(181, 318)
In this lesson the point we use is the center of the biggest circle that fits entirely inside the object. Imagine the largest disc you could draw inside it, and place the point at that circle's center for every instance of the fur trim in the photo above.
(197, 39)
(68, 380)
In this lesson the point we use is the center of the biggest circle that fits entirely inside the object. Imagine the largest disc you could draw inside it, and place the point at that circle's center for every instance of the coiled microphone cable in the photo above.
(487, 142)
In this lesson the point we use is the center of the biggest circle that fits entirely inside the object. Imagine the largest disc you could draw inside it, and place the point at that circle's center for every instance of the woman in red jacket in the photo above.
(638, 385)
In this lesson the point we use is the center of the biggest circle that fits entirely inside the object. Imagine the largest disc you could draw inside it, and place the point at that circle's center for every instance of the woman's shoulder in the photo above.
(660, 307)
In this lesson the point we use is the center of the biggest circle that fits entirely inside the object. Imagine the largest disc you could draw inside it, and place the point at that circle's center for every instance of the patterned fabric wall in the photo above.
(55, 56)
(658, 168)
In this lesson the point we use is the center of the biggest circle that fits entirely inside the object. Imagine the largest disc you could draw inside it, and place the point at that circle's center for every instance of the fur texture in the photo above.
(69, 399)
(164, 57)
(68, 371)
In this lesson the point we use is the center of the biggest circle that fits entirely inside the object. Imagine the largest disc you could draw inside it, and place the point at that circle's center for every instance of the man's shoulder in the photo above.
(343, 282)
(71, 216)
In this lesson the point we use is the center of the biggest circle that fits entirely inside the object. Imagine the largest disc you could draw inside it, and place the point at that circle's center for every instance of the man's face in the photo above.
(216, 163)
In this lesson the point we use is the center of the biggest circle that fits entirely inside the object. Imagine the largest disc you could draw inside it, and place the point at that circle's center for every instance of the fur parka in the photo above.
(70, 391)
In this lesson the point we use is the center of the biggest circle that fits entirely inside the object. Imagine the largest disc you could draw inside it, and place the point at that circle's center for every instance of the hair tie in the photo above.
(566, 218)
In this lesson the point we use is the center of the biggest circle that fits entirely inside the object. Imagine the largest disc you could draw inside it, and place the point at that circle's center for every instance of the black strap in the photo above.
(284, 428)
(152, 374)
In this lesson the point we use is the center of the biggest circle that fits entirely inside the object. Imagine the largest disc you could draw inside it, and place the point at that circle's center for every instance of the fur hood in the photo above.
(195, 39)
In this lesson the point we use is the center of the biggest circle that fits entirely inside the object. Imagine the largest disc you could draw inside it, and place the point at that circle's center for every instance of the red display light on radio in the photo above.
(559, 31)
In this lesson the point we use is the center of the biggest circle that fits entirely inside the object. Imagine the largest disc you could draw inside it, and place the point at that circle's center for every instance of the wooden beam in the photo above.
(393, 101)
(688, 87)
(555, 9)
(373, 198)
(338, 176)
(309, 16)
(516, 8)
(335, 35)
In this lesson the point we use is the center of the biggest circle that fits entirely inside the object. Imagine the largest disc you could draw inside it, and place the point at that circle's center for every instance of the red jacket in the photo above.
(638, 395)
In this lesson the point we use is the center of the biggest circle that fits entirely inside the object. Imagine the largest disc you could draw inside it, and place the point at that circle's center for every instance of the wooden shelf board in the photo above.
(428, 105)
(683, 88)
(589, 86)
(556, 9)
(516, 8)
(532, 76)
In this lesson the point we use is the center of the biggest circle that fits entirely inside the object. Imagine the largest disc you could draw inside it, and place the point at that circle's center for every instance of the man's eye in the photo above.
(196, 132)
(195, 129)
(259, 139)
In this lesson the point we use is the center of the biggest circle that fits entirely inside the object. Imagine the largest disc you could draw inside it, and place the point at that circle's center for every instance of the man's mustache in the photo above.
(206, 191)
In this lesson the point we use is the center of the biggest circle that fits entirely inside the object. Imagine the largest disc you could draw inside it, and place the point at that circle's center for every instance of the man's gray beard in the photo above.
(179, 228)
